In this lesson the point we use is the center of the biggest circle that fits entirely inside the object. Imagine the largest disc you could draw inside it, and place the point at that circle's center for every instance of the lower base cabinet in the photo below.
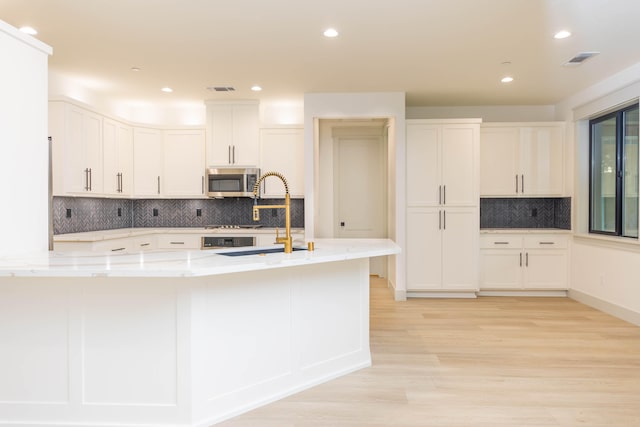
(442, 249)
(524, 262)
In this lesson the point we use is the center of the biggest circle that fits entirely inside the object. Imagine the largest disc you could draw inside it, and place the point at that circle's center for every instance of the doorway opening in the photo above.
(353, 181)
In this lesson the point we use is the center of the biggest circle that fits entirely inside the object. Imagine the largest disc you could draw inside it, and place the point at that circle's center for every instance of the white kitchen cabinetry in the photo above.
(184, 163)
(148, 161)
(282, 150)
(442, 164)
(232, 133)
(77, 146)
(442, 206)
(523, 262)
(442, 249)
(117, 140)
(522, 159)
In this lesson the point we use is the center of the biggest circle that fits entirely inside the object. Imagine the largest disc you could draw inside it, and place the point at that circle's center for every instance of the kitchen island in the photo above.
(177, 338)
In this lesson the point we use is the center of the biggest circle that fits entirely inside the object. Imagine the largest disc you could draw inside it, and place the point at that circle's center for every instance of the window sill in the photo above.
(620, 243)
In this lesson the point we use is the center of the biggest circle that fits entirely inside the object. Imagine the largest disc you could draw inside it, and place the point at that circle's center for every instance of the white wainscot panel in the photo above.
(129, 344)
(248, 325)
(34, 343)
(328, 315)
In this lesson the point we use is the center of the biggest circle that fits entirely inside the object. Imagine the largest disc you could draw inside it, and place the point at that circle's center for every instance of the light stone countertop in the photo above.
(524, 231)
(186, 263)
(118, 233)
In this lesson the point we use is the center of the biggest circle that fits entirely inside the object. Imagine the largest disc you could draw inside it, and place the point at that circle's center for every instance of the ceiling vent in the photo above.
(580, 58)
(221, 88)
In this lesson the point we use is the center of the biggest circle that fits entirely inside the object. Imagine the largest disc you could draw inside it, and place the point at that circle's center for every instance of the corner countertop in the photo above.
(525, 231)
(186, 263)
(119, 233)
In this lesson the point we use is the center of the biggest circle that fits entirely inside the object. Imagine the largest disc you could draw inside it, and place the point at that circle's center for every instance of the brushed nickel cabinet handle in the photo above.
(439, 194)
(177, 243)
(444, 220)
(118, 249)
(233, 150)
(229, 153)
(527, 260)
(520, 259)
(500, 243)
(547, 243)
(444, 194)
(158, 184)
(516, 184)
(145, 244)
(522, 184)
(202, 184)
(90, 180)
(439, 220)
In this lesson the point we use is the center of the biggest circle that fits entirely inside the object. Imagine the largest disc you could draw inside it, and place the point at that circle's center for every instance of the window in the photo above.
(613, 183)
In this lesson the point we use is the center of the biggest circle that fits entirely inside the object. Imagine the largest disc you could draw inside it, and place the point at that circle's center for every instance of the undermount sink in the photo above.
(259, 251)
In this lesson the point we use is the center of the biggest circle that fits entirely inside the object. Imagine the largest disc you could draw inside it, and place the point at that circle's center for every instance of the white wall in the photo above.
(605, 272)
(24, 160)
(389, 105)
(488, 113)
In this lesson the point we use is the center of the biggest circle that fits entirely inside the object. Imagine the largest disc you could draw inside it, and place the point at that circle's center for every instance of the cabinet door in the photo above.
(423, 165)
(500, 269)
(246, 136)
(460, 248)
(541, 160)
(424, 249)
(499, 156)
(282, 150)
(148, 157)
(184, 163)
(117, 141)
(233, 135)
(545, 269)
(459, 166)
(220, 136)
(82, 151)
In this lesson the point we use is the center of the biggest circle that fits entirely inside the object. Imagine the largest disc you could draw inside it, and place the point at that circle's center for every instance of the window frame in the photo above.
(619, 115)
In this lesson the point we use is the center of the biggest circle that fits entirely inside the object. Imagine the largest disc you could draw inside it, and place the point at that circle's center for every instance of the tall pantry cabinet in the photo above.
(442, 170)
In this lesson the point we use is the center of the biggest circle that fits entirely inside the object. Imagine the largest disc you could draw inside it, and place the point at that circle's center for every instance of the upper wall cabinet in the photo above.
(522, 159)
(232, 133)
(442, 164)
(148, 166)
(282, 150)
(117, 141)
(184, 166)
(77, 149)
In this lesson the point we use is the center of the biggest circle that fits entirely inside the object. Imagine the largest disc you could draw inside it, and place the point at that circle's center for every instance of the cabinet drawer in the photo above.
(500, 241)
(178, 241)
(545, 241)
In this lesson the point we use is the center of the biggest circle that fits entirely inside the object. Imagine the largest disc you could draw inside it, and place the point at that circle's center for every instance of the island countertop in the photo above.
(186, 263)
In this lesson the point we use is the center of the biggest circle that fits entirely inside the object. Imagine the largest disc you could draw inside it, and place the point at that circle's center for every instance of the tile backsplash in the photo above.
(526, 213)
(78, 214)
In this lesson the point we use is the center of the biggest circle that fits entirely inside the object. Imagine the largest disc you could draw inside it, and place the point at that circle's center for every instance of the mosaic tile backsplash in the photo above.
(79, 214)
(526, 213)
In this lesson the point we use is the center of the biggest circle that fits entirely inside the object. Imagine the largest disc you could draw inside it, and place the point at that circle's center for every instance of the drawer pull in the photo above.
(145, 244)
(177, 243)
(500, 243)
(118, 249)
(547, 243)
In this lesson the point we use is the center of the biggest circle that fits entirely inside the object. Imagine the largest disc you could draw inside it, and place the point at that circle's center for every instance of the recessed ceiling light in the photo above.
(167, 89)
(507, 79)
(29, 30)
(330, 32)
(562, 34)
(136, 69)
(256, 88)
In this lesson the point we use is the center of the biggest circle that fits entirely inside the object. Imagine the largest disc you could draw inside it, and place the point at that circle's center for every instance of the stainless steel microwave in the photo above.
(231, 181)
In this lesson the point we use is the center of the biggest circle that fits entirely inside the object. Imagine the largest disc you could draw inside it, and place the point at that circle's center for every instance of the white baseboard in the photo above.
(532, 293)
(605, 306)
(436, 294)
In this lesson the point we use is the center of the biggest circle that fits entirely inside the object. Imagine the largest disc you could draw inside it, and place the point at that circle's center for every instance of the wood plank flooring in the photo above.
(486, 362)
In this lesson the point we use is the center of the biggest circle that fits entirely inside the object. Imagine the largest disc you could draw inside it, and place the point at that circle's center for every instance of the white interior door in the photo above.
(360, 191)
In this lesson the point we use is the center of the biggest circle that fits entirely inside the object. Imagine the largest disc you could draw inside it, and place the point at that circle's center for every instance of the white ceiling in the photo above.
(440, 52)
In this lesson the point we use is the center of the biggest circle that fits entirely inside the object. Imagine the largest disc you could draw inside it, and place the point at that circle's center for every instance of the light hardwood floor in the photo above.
(491, 361)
